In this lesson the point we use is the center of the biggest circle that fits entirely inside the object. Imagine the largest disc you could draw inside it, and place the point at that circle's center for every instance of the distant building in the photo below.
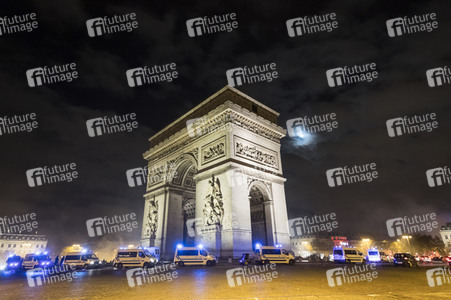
(21, 244)
(445, 233)
(302, 246)
(340, 241)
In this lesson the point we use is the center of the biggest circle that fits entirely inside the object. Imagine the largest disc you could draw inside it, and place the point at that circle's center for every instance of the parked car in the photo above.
(384, 257)
(425, 259)
(437, 260)
(405, 260)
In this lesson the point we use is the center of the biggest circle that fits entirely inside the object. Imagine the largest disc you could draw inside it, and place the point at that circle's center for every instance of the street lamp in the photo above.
(367, 241)
(408, 237)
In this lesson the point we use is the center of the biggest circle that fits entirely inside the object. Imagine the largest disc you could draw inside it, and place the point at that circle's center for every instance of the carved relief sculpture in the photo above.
(152, 218)
(214, 207)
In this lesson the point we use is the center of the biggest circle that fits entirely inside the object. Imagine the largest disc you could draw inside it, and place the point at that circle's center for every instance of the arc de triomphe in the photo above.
(215, 178)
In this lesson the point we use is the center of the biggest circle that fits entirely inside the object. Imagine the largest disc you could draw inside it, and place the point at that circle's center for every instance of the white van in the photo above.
(37, 260)
(81, 260)
(348, 255)
(155, 251)
(137, 257)
(274, 255)
(193, 256)
(373, 255)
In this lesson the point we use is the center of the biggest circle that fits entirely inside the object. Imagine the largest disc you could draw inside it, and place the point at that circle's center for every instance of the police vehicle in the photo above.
(348, 255)
(14, 262)
(273, 254)
(135, 257)
(193, 256)
(81, 260)
(37, 260)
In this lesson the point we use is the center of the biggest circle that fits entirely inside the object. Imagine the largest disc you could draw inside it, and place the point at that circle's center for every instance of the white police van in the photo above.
(36, 260)
(81, 260)
(136, 257)
(155, 251)
(193, 256)
(273, 254)
(374, 255)
(348, 255)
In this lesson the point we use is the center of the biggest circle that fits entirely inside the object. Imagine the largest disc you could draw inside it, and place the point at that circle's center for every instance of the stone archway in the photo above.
(228, 131)
(260, 203)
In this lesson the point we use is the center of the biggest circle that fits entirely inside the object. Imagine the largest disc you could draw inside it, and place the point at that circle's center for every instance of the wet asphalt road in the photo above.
(301, 281)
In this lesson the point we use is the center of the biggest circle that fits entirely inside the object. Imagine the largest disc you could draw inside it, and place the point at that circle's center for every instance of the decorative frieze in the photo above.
(213, 150)
(253, 152)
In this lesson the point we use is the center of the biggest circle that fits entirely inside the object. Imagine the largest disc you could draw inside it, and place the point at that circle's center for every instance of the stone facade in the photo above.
(445, 233)
(21, 244)
(221, 184)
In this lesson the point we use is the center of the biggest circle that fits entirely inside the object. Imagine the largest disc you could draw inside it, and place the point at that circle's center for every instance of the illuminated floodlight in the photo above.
(258, 246)
(179, 246)
(200, 246)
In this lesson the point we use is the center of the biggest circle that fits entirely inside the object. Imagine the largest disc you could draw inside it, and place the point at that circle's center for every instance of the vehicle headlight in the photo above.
(152, 260)
(92, 262)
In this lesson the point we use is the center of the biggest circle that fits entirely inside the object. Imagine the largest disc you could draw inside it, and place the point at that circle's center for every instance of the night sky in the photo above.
(301, 89)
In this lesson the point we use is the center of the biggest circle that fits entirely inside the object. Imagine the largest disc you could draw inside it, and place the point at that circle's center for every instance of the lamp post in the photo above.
(367, 241)
(408, 237)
